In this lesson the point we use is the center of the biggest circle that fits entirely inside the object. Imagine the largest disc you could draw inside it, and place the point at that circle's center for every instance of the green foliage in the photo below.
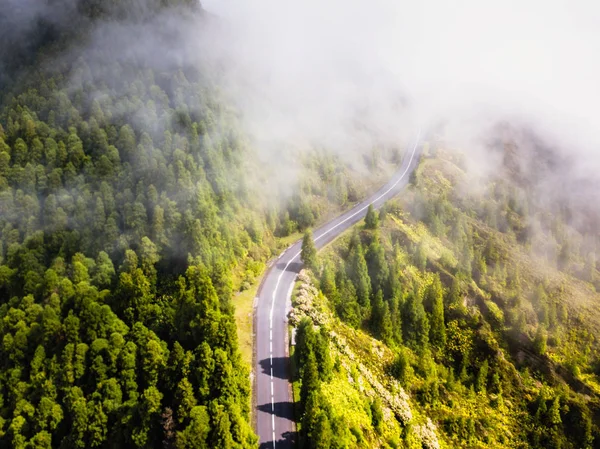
(377, 265)
(377, 413)
(313, 358)
(358, 273)
(401, 368)
(348, 307)
(415, 323)
(308, 254)
(434, 302)
(488, 347)
(381, 320)
(119, 233)
(371, 219)
(540, 342)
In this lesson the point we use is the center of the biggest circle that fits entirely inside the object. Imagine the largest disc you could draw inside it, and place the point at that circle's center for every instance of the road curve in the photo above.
(272, 389)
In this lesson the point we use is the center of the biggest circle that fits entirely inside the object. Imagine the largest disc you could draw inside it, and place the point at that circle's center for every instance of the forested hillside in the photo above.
(132, 209)
(485, 301)
(117, 242)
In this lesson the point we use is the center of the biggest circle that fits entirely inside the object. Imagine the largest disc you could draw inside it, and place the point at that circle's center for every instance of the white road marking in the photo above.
(379, 197)
(342, 222)
(317, 238)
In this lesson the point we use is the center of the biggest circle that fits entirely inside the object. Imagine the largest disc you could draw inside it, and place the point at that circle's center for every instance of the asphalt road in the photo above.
(272, 389)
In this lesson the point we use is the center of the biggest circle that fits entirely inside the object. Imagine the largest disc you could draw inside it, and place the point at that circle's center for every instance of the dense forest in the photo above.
(117, 244)
(485, 302)
(129, 218)
(133, 209)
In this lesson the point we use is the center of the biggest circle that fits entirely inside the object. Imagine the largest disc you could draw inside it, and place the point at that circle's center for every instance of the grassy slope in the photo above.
(497, 422)
(579, 298)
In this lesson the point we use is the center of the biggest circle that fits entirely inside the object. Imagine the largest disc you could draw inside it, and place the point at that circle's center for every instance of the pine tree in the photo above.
(377, 265)
(348, 308)
(434, 303)
(377, 314)
(481, 381)
(420, 256)
(383, 211)
(321, 436)
(554, 413)
(322, 355)
(455, 294)
(308, 254)
(220, 435)
(359, 275)
(305, 342)
(387, 330)
(310, 378)
(328, 284)
(540, 341)
(415, 324)
(401, 368)
(395, 311)
(371, 219)
(381, 321)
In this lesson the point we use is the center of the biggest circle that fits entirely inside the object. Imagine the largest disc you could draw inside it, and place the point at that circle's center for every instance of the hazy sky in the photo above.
(317, 64)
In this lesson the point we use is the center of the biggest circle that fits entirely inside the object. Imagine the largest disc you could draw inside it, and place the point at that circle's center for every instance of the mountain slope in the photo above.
(490, 338)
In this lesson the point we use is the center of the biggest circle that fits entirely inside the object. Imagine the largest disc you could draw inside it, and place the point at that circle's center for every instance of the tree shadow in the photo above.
(294, 267)
(287, 442)
(281, 409)
(281, 367)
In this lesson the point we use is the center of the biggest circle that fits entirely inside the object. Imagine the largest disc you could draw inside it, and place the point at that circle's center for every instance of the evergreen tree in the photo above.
(481, 381)
(308, 254)
(358, 273)
(377, 265)
(540, 341)
(371, 219)
(415, 324)
(310, 378)
(554, 418)
(381, 322)
(434, 303)
(348, 308)
(328, 283)
(321, 436)
(420, 256)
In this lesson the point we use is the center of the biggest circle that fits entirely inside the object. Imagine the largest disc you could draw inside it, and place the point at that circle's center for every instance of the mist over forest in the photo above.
(156, 157)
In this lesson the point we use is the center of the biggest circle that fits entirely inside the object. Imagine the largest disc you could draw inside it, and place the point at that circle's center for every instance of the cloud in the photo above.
(315, 69)
(24, 26)
(348, 75)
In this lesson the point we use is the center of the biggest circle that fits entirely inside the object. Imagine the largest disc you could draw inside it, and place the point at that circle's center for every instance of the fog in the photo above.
(348, 75)
(314, 69)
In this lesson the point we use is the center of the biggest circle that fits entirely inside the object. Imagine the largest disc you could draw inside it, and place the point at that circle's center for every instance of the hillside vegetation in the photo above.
(481, 330)
(132, 211)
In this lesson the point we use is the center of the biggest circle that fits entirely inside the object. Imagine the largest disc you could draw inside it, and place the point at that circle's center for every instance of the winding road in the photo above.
(275, 424)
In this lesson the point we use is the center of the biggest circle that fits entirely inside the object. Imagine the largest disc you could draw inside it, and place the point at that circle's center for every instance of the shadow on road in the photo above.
(294, 267)
(281, 367)
(287, 442)
(282, 409)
